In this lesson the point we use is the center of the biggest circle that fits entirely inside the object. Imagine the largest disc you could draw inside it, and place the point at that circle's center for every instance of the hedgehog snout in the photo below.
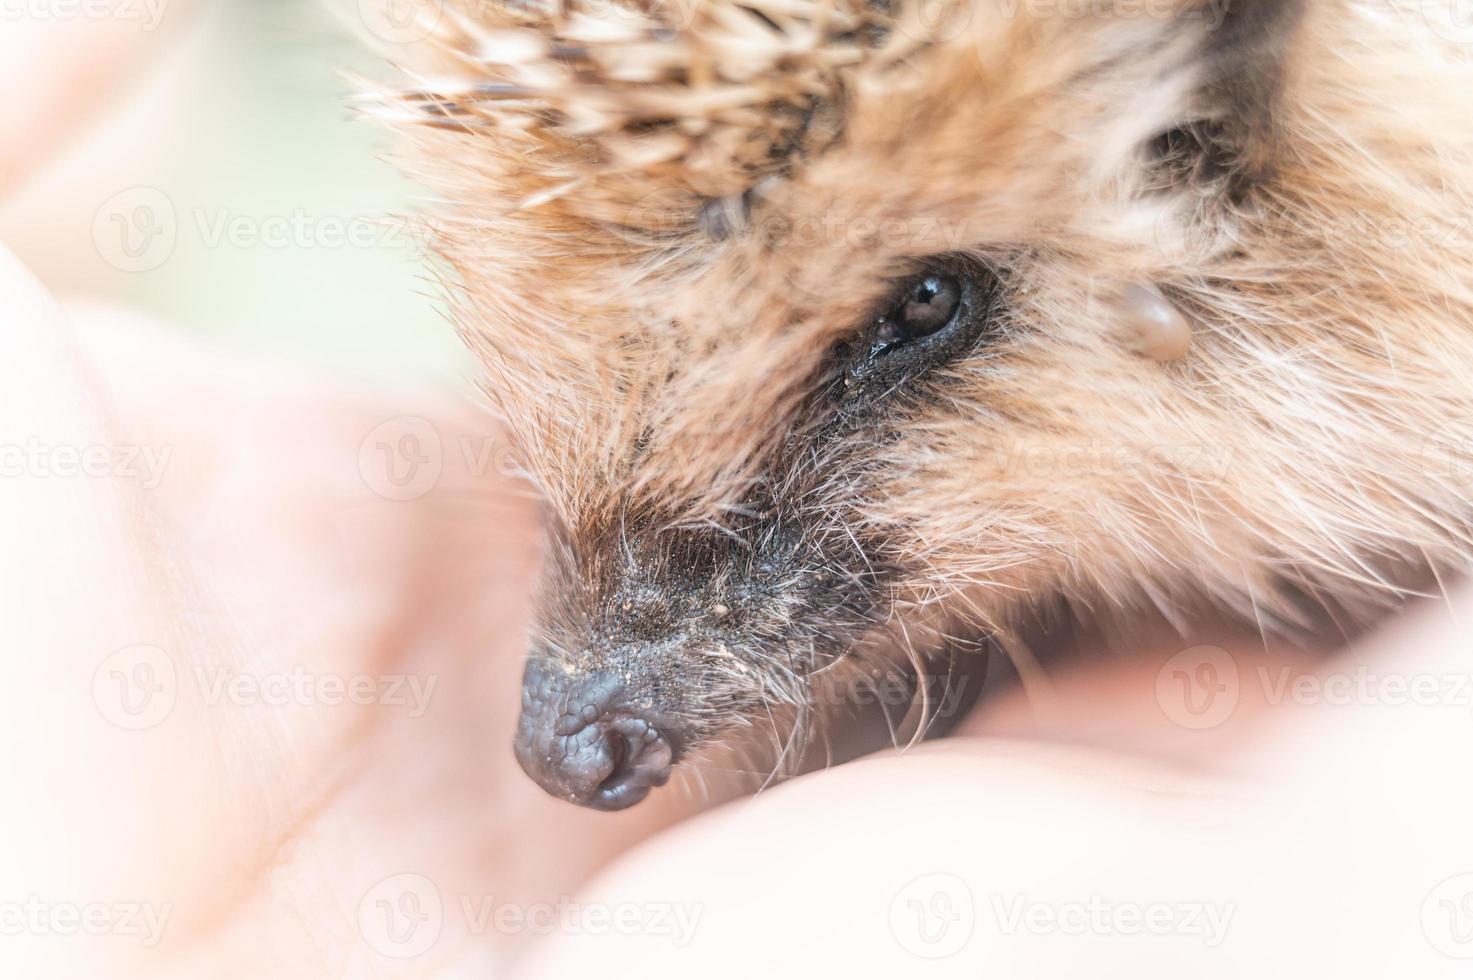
(581, 739)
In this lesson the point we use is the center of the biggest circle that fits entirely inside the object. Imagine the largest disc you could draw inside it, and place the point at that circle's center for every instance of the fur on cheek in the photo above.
(1314, 443)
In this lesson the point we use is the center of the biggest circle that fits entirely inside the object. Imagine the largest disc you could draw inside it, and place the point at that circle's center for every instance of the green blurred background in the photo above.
(287, 236)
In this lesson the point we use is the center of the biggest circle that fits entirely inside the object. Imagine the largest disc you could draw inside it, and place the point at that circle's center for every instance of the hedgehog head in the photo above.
(833, 329)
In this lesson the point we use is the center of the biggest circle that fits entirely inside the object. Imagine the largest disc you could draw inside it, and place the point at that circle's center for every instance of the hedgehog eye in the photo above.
(931, 318)
(928, 304)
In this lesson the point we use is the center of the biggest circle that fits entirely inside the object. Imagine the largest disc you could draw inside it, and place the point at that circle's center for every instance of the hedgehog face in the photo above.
(820, 329)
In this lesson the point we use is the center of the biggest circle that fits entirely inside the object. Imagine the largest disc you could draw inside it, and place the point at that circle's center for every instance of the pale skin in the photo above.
(257, 814)
(70, 64)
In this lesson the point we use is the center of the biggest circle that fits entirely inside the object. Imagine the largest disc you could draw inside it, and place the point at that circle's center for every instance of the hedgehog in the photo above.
(837, 333)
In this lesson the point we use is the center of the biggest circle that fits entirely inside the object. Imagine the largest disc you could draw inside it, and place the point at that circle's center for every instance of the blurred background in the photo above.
(227, 186)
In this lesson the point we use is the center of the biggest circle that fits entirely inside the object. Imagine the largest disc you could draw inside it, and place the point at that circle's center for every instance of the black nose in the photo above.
(582, 741)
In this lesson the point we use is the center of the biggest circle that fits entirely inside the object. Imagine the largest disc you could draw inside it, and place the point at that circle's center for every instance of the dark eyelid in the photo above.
(870, 371)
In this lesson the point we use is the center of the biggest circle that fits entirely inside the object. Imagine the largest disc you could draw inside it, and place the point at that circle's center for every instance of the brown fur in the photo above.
(659, 226)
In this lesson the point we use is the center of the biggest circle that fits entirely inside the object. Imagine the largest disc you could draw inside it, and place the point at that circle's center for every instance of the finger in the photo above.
(70, 60)
(983, 857)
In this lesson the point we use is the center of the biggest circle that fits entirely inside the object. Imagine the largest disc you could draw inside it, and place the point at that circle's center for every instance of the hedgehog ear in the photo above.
(1232, 137)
